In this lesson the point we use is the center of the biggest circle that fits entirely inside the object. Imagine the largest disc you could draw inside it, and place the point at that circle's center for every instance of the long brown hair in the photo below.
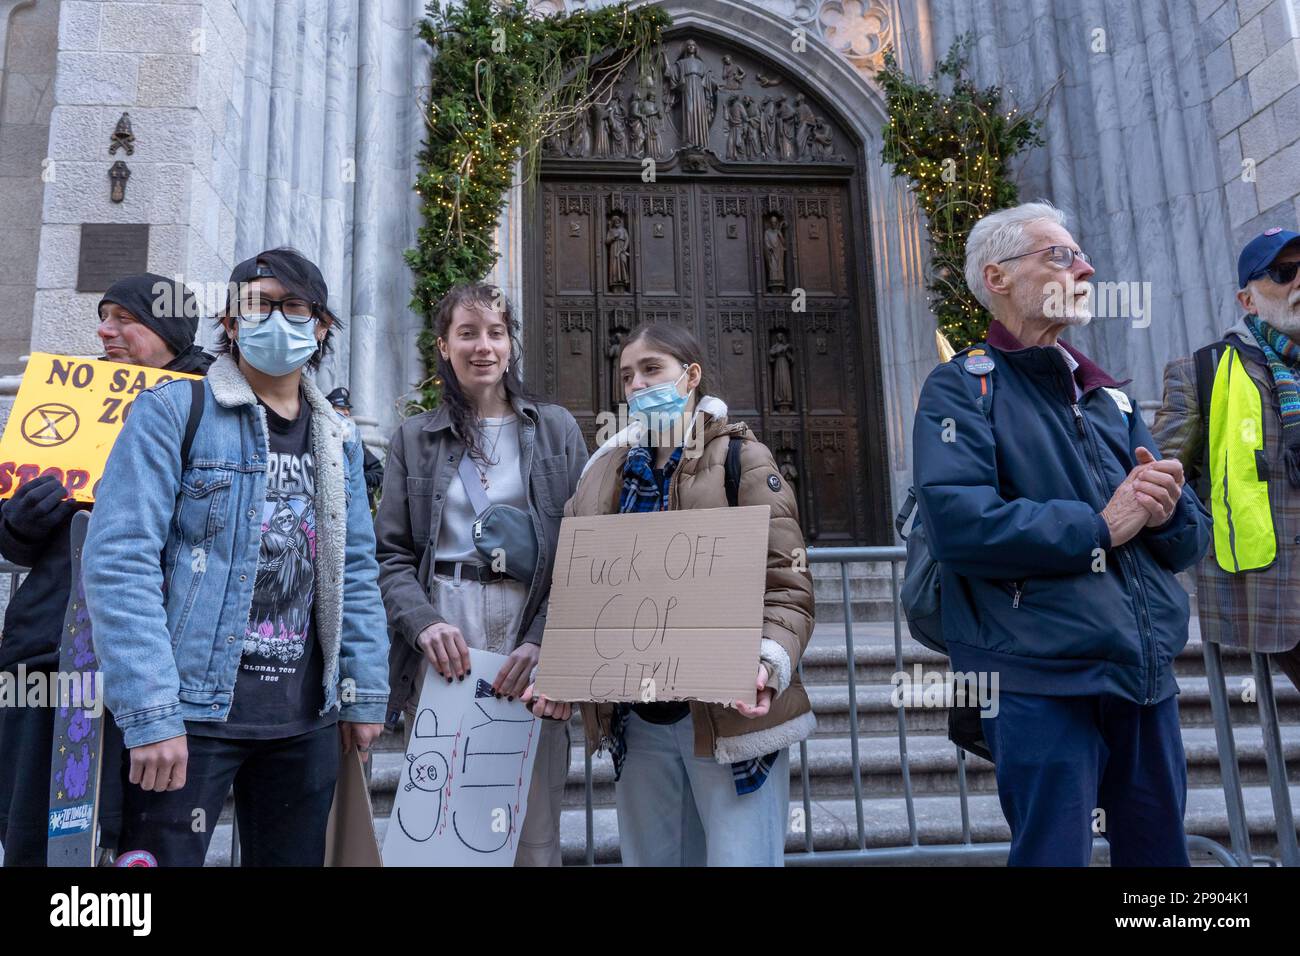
(681, 344)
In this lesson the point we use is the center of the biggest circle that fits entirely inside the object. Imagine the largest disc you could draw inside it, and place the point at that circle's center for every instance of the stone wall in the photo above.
(29, 34)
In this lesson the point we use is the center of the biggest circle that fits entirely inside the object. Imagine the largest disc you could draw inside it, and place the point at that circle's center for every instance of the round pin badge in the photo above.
(774, 482)
(136, 858)
(978, 364)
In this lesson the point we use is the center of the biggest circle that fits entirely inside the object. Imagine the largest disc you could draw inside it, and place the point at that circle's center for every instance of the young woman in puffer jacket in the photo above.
(698, 783)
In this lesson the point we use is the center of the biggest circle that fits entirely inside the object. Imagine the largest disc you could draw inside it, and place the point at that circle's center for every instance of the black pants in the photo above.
(283, 792)
(26, 741)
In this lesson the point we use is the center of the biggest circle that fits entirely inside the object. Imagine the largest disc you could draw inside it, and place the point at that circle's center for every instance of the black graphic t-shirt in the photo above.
(279, 691)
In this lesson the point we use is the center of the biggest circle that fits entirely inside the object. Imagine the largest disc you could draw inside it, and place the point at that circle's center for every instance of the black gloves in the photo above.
(36, 509)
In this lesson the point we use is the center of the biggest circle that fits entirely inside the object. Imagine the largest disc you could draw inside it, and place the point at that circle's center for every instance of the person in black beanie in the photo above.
(341, 399)
(145, 320)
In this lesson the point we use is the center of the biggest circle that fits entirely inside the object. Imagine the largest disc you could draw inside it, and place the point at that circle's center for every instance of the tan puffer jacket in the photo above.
(699, 482)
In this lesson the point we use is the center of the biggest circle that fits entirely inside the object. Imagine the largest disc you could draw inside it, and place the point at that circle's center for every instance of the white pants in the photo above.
(677, 809)
(488, 618)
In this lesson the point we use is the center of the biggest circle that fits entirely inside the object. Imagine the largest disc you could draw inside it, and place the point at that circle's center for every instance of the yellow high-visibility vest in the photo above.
(1244, 539)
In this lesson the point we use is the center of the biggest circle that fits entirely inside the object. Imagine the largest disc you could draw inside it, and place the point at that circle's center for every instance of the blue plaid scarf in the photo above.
(645, 490)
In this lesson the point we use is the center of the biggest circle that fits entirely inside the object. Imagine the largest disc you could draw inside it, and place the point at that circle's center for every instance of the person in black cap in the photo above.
(254, 650)
(145, 320)
(341, 399)
(1232, 412)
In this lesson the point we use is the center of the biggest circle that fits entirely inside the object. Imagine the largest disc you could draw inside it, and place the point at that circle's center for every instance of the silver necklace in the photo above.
(482, 472)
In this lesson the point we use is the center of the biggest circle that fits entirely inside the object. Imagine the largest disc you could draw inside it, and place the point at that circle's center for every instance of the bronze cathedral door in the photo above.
(753, 247)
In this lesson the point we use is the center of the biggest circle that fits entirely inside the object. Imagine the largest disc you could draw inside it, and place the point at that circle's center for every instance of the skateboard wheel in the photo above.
(136, 858)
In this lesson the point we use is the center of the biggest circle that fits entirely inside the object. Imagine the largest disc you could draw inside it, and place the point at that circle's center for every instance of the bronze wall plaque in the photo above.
(110, 251)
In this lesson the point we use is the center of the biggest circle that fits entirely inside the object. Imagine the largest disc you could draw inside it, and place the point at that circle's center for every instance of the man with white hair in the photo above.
(1058, 531)
(1232, 412)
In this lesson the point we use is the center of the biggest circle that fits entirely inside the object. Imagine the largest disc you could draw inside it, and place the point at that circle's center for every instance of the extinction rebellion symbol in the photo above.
(50, 424)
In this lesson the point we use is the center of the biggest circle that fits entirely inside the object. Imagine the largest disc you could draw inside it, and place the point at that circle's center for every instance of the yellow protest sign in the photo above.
(67, 416)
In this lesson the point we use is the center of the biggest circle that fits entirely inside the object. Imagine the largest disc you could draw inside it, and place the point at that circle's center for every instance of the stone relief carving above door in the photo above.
(700, 99)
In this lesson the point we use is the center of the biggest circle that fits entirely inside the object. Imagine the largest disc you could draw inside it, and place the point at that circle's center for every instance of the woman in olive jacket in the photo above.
(701, 783)
(442, 598)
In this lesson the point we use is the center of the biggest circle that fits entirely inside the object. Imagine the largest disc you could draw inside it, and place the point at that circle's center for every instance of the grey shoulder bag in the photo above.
(500, 530)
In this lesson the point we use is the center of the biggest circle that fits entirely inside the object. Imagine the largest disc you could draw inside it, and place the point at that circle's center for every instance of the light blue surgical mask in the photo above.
(661, 399)
(275, 345)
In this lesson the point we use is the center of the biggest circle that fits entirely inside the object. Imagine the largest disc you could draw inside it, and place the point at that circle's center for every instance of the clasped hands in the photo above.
(1146, 498)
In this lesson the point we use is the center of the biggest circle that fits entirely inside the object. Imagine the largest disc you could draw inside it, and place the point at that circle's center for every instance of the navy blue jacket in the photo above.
(1012, 502)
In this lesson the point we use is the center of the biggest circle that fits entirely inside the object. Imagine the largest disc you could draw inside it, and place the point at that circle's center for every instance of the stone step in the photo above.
(932, 764)
(826, 659)
(877, 714)
(833, 824)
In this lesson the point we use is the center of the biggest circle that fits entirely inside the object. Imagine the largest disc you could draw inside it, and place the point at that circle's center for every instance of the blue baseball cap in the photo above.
(1260, 253)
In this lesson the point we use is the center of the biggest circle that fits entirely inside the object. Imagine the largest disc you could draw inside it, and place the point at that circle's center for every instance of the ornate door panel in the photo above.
(743, 235)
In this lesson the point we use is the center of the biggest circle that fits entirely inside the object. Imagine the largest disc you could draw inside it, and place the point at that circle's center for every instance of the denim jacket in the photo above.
(171, 559)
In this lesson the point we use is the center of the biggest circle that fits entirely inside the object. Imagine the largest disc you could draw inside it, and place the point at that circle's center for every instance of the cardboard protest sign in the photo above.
(462, 796)
(67, 416)
(662, 606)
(350, 831)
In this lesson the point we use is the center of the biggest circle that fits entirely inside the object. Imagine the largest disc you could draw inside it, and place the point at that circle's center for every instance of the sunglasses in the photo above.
(1283, 273)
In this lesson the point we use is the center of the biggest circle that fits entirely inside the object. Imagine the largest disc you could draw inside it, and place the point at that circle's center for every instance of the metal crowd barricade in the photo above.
(1274, 759)
(914, 852)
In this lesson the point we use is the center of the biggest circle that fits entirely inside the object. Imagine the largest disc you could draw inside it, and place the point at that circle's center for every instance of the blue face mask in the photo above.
(275, 345)
(661, 399)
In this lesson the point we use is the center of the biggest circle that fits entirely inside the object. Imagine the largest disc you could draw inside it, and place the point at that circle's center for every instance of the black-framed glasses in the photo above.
(1283, 273)
(1062, 256)
(296, 310)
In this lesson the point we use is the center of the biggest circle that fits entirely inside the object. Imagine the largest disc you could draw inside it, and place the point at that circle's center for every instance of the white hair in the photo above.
(1000, 235)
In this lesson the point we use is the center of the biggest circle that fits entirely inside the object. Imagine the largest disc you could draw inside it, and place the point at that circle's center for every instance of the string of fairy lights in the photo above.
(953, 143)
(502, 78)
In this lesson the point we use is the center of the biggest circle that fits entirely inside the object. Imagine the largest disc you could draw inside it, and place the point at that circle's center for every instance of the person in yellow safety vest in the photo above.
(1231, 412)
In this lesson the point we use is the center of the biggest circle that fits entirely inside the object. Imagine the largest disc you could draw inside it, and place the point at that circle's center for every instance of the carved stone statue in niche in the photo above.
(767, 128)
(653, 121)
(781, 355)
(774, 253)
(580, 144)
(807, 120)
(600, 140)
(697, 91)
(732, 75)
(612, 352)
(636, 124)
(753, 138)
(736, 125)
(823, 143)
(788, 470)
(617, 120)
(618, 254)
(786, 121)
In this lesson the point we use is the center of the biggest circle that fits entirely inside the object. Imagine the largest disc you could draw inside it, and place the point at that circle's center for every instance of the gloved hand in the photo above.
(37, 508)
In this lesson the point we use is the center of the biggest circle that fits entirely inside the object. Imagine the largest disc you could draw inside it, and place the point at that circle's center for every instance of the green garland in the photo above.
(954, 148)
(503, 79)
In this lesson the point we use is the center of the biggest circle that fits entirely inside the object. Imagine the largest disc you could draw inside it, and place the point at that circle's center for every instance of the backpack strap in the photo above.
(734, 446)
(1205, 363)
(192, 423)
(978, 366)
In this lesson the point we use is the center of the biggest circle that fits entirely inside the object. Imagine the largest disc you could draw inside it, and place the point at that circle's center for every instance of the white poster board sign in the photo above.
(463, 791)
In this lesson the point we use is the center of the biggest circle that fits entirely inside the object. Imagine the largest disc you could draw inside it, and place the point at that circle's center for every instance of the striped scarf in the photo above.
(1283, 355)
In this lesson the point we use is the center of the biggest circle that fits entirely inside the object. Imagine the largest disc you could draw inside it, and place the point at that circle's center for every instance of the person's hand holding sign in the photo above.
(37, 508)
(544, 707)
(446, 650)
(765, 695)
(512, 680)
